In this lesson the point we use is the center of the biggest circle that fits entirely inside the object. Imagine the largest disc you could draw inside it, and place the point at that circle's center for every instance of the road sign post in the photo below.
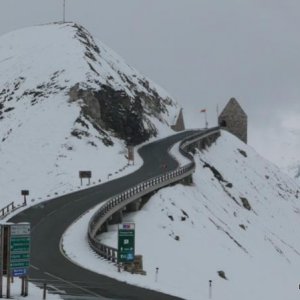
(130, 154)
(25, 193)
(1, 261)
(7, 236)
(85, 174)
(19, 249)
(126, 243)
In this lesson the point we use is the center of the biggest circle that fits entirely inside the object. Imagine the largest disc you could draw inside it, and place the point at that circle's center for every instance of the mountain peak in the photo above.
(63, 59)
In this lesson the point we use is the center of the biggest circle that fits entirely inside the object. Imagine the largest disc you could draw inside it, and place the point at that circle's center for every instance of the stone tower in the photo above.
(234, 120)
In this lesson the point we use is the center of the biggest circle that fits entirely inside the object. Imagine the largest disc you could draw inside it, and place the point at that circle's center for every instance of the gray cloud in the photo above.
(202, 52)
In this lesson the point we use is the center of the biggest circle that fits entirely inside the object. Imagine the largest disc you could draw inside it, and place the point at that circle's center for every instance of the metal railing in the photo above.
(120, 201)
(9, 208)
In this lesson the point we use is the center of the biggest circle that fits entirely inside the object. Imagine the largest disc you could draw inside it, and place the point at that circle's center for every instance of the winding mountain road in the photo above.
(50, 219)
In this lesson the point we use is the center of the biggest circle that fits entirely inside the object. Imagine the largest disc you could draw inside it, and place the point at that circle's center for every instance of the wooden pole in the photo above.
(8, 264)
(1, 257)
(22, 286)
(45, 291)
(26, 286)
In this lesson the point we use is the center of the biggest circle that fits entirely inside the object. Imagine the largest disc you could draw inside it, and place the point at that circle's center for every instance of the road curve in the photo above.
(50, 219)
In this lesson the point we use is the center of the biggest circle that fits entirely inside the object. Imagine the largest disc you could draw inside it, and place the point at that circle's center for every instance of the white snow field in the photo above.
(38, 152)
(241, 216)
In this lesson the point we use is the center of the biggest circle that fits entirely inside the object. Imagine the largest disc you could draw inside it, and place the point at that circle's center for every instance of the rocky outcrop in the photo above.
(116, 112)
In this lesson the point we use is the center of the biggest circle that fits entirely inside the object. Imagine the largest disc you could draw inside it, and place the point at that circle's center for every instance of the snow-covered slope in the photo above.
(69, 103)
(291, 156)
(240, 218)
(281, 145)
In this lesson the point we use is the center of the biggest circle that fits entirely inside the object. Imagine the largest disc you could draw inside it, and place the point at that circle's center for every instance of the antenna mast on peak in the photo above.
(64, 11)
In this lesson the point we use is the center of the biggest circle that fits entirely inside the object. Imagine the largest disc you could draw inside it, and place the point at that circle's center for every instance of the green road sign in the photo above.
(126, 242)
(19, 264)
(20, 239)
(19, 256)
(20, 244)
(19, 249)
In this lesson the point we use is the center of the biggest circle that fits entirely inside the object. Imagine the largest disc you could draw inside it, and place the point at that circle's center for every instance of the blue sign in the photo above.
(19, 272)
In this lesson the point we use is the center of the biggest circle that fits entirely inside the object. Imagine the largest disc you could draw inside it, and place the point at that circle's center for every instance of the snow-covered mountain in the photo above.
(69, 103)
(237, 226)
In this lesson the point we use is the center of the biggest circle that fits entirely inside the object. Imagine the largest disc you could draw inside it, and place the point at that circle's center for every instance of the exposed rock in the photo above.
(222, 275)
(246, 203)
(243, 152)
(115, 111)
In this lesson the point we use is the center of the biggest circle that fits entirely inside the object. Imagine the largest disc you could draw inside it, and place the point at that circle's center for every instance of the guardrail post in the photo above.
(116, 218)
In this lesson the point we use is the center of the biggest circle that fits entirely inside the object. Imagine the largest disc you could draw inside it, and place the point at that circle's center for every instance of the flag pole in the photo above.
(218, 114)
(205, 117)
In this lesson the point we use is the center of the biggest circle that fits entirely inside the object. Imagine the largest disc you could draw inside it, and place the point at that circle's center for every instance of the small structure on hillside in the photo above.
(234, 119)
(179, 123)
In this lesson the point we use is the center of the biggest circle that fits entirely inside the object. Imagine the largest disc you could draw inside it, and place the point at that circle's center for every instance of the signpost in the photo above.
(85, 174)
(1, 259)
(19, 249)
(130, 154)
(24, 193)
(126, 243)
(14, 255)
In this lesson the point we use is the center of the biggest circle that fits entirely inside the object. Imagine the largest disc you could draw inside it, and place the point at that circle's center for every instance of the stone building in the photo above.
(234, 119)
(179, 123)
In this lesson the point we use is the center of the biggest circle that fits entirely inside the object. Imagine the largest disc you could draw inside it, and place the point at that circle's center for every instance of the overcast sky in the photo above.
(201, 51)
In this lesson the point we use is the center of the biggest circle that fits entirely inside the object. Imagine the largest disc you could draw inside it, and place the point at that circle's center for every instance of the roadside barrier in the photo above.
(11, 207)
(118, 202)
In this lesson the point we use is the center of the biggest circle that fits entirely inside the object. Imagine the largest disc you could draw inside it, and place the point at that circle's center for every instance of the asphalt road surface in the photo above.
(50, 219)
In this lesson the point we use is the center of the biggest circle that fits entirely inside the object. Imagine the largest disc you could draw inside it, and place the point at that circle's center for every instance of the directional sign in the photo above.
(20, 256)
(126, 241)
(24, 192)
(19, 264)
(20, 272)
(85, 174)
(19, 249)
(20, 229)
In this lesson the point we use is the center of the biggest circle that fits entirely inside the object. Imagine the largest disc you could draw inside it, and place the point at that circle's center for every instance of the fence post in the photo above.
(44, 291)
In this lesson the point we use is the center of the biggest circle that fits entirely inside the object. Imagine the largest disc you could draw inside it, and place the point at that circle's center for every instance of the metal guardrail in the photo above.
(119, 201)
(9, 208)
